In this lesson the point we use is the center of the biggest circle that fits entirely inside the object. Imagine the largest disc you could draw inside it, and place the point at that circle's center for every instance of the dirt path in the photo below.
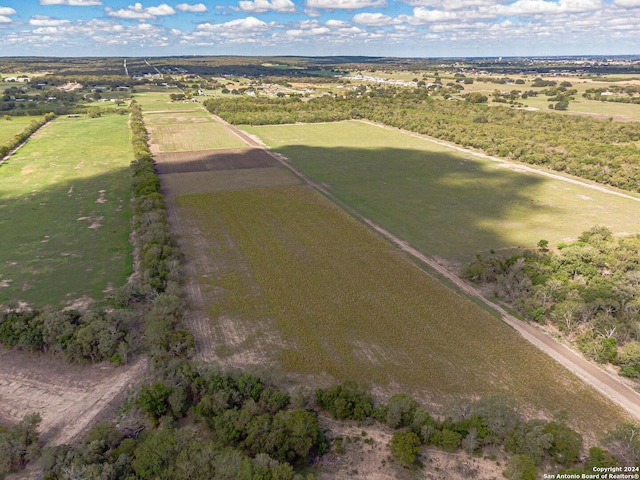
(609, 385)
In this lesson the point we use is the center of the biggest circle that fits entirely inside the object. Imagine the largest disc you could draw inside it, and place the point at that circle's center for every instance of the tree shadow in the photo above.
(443, 204)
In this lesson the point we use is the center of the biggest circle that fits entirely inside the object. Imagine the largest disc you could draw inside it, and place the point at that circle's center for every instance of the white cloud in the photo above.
(7, 11)
(261, 6)
(345, 4)
(197, 8)
(43, 21)
(337, 24)
(627, 3)
(249, 24)
(4, 19)
(539, 7)
(422, 15)
(72, 3)
(374, 19)
(137, 12)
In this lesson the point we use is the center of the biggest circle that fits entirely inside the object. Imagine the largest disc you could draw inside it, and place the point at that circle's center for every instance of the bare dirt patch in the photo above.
(208, 160)
(68, 397)
(95, 222)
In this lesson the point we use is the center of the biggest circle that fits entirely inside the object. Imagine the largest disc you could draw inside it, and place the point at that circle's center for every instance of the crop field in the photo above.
(189, 136)
(183, 126)
(10, 128)
(445, 202)
(64, 212)
(218, 170)
(289, 278)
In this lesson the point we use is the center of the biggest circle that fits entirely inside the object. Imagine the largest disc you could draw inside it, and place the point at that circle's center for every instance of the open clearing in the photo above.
(291, 279)
(68, 397)
(64, 212)
(446, 203)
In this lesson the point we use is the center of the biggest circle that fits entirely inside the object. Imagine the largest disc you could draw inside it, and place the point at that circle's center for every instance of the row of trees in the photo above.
(589, 290)
(231, 427)
(148, 309)
(23, 136)
(598, 150)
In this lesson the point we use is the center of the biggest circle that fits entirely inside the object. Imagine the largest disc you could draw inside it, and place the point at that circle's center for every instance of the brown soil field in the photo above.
(70, 398)
(213, 160)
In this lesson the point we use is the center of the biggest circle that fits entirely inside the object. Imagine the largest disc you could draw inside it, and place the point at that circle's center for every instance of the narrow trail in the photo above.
(604, 382)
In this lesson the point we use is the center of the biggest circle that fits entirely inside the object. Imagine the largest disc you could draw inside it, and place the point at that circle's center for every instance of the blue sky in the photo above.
(412, 28)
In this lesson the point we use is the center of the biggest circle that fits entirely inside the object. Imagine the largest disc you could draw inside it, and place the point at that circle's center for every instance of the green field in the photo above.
(302, 283)
(157, 99)
(64, 212)
(10, 128)
(444, 202)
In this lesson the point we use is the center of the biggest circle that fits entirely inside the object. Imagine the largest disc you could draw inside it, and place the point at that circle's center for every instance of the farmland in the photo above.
(446, 203)
(65, 212)
(294, 280)
(284, 279)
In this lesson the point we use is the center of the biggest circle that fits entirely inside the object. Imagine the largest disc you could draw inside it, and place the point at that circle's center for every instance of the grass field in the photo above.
(10, 128)
(157, 99)
(64, 212)
(445, 203)
(296, 280)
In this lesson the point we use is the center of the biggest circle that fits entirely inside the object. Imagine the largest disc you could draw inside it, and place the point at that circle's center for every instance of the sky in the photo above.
(401, 28)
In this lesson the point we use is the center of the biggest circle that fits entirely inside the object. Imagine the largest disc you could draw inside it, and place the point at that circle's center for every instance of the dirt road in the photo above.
(609, 385)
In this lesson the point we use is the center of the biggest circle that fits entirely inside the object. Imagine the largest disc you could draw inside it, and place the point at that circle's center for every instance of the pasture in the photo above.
(445, 202)
(290, 279)
(12, 127)
(64, 212)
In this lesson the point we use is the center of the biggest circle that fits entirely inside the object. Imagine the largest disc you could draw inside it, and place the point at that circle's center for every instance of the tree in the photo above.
(19, 444)
(405, 446)
(476, 97)
(624, 444)
(530, 439)
(400, 410)
(521, 467)
(566, 444)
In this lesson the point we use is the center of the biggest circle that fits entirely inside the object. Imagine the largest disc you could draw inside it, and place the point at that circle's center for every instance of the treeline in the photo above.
(230, 427)
(205, 424)
(588, 290)
(23, 136)
(148, 309)
(599, 150)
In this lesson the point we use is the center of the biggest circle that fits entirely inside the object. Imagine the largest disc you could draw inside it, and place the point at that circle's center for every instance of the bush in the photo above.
(405, 446)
